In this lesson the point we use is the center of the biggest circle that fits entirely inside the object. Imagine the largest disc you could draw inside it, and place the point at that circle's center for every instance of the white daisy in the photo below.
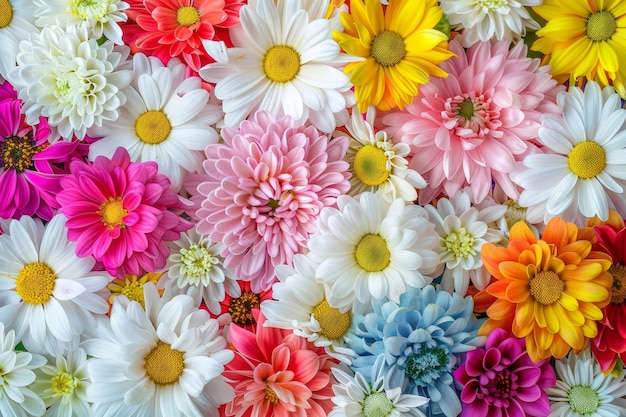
(16, 373)
(300, 305)
(377, 163)
(64, 75)
(482, 20)
(371, 248)
(582, 390)
(102, 17)
(17, 22)
(166, 119)
(583, 171)
(198, 270)
(166, 360)
(48, 295)
(62, 384)
(283, 62)
(462, 232)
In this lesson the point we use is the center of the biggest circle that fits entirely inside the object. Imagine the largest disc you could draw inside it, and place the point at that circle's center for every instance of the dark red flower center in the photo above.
(503, 383)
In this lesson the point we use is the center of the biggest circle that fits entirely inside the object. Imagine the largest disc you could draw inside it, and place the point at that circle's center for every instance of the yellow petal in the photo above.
(552, 319)
(572, 335)
(586, 291)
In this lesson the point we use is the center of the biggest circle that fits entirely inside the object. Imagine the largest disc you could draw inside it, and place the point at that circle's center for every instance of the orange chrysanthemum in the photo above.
(549, 291)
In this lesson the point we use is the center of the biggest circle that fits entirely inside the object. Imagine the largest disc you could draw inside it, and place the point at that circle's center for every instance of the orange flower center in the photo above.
(618, 294)
(546, 287)
(240, 309)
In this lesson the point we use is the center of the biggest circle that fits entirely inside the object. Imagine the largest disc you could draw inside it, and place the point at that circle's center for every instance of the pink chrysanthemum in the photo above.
(501, 380)
(276, 373)
(472, 126)
(30, 167)
(265, 187)
(176, 28)
(120, 212)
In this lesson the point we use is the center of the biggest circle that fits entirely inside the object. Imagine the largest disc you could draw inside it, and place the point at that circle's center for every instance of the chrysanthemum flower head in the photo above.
(121, 213)
(549, 291)
(264, 188)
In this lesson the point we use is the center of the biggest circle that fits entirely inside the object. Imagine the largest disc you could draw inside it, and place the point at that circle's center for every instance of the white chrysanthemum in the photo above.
(583, 171)
(62, 384)
(16, 24)
(166, 119)
(371, 248)
(166, 360)
(300, 305)
(462, 232)
(358, 396)
(48, 295)
(64, 75)
(582, 390)
(101, 17)
(283, 62)
(16, 373)
(377, 163)
(198, 270)
(483, 20)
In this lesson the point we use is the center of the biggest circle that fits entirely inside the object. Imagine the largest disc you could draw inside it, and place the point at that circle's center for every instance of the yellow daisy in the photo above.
(584, 38)
(401, 48)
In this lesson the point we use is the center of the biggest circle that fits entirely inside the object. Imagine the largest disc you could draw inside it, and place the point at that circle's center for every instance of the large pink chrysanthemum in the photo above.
(472, 126)
(120, 212)
(265, 187)
(176, 28)
(276, 373)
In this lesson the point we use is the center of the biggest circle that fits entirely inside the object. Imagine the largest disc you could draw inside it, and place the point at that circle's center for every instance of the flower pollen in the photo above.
(112, 212)
(377, 405)
(583, 400)
(371, 165)
(281, 63)
(240, 308)
(153, 127)
(16, 152)
(372, 254)
(426, 365)
(460, 243)
(35, 283)
(164, 365)
(546, 287)
(6, 13)
(492, 5)
(618, 271)
(196, 262)
(388, 48)
(63, 384)
(134, 292)
(187, 16)
(601, 26)
(587, 159)
(270, 395)
(503, 384)
(334, 323)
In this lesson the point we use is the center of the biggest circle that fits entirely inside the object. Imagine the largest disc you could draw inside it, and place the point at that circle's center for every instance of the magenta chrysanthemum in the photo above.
(501, 380)
(121, 213)
(265, 187)
(472, 126)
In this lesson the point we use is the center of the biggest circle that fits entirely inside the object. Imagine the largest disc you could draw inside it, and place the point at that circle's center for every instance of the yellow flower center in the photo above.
(134, 292)
(163, 364)
(112, 212)
(153, 127)
(281, 63)
(334, 324)
(546, 287)
(460, 243)
(16, 152)
(618, 294)
(6, 13)
(187, 16)
(387, 48)
(587, 159)
(63, 384)
(270, 395)
(372, 253)
(601, 26)
(371, 165)
(466, 110)
(240, 308)
(35, 283)
(583, 400)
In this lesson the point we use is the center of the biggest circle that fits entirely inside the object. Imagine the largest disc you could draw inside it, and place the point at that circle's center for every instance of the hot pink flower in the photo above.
(276, 373)
(472, 126)
(265, 187)
(120, 212)
(501, 380)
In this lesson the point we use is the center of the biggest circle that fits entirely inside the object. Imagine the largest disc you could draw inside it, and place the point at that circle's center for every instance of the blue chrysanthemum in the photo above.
(422, 339)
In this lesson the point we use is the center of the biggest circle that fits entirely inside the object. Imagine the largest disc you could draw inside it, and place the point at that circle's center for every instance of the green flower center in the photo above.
(187, 16)
(372, 253)
(371, 165)
(197, 261)
(387, 48)
(460, 243)
(334, 323)
(377, 405)
(281, 63)
(546, 287)
(6, 13)
(153, 127)
(89, 9)
(601, 26)
(492, 4)
(466, 109)
(426, 365)
(16, 152)
(583, 400)
(63, 384)
(587, 159)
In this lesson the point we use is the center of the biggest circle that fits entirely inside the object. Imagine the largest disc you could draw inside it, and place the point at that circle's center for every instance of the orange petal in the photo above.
(517, 291)
(524, 318)
(513, 271)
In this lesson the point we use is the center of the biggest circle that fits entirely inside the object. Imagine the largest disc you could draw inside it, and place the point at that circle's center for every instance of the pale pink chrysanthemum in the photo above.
(472, 126)
(276, 373)
(121, 213)
(265, 187)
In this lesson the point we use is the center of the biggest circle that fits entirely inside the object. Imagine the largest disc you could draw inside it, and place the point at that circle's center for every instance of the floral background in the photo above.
(312, 208)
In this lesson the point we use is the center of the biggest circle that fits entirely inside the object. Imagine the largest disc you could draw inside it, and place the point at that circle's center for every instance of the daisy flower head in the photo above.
(582, 390)
(240, 310)
(121, 213)
(167, 118)
(484, 20)
(500, 379)
(166, 360)
(49, 295)
(583, 168)
(17, 22)
(399, 47)
(16, 373)
(377, 163)
(197, 268)
(471, 128)
(549, 291)
(282, 62)
(66, 76)
(169, 29)
(264, 188)
(586, 42)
